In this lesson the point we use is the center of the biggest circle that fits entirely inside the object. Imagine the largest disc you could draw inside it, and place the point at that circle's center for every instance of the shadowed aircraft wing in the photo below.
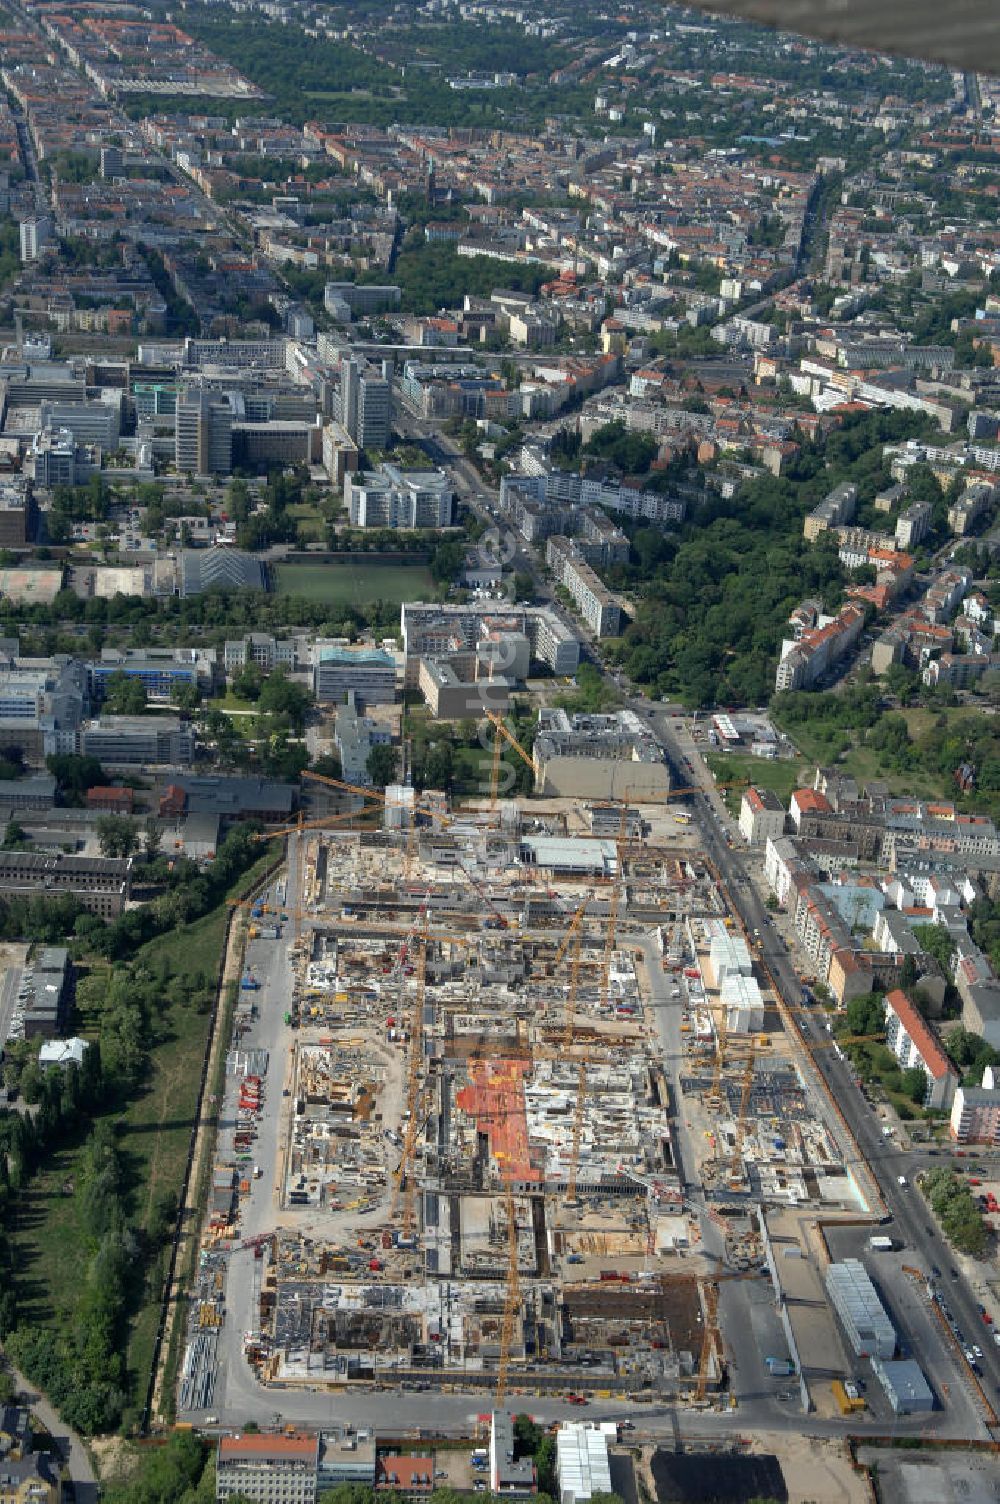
(960, 33)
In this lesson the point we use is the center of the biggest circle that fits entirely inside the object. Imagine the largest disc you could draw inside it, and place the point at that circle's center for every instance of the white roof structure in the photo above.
(62, 1052)
(582, 1465)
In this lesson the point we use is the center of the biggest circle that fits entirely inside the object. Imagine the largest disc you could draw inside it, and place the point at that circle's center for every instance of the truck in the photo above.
(269, 932)
(779, 1368)
(249, 984)
(880, 1244)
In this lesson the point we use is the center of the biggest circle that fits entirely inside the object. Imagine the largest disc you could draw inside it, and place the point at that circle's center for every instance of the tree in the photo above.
(381, 765)
(185, 696)
(280, 697)
(936, 941)
(866, 1015)
(914, 1085)
(117, 835)
(75, 774)
(246, 684)
(125, 694)
(152, 837)
(15, 837)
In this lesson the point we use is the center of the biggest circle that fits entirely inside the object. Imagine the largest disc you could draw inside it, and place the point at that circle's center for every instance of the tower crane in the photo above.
(709, 1337)
(502, 733)
(512, 1296)
(609, 947)
(404, 1174)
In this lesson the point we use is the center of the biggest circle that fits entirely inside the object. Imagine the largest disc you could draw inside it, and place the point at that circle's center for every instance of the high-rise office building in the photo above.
(366, 405)
(203, 440)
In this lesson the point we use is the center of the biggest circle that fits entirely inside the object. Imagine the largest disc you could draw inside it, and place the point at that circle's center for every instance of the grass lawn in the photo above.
(154, 1136)
(864, 763)
(473, 768)
(781, 775)
(231, 704)
(356, 584)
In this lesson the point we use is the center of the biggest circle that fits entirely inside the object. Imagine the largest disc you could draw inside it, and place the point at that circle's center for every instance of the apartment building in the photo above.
(818, 649)
(31, 1479)
(354, 736)
(914, 1044)
(508, 1476)
(267, 1469)
(762, 816)
(979, 989)
(18, 514)
(960, 670)
(596, 604)
(359, 297)
(429, 630)
(36, 237)
(366, 404)
(975, 1112)
(913, 524)
(944, 595)
(971, 508)
(835, 510)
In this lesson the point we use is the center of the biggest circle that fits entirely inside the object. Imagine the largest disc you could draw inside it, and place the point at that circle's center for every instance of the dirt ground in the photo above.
(815, 1469)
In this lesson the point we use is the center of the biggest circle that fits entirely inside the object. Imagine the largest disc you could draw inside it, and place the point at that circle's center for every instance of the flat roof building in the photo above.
(905, 1387)
(975, 1112)
(582, 1465)
(597, 756)
(853, 1296)
(508, 1475)
(369, 673)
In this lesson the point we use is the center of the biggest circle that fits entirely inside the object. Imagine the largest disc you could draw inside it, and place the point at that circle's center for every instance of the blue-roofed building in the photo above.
(159, 676)
(369, 672)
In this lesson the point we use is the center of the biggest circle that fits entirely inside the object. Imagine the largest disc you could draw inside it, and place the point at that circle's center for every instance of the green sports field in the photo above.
(356, 584)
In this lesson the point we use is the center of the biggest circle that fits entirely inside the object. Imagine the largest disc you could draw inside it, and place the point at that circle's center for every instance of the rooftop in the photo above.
(931, 1053)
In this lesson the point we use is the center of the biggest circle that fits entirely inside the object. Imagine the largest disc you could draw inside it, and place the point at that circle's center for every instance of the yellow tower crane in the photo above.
(609, 948)
(502, 733)
(512, 1297)
(404, 1175)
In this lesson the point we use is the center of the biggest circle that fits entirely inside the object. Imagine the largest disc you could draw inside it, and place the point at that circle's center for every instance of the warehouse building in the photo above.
(905, 1387)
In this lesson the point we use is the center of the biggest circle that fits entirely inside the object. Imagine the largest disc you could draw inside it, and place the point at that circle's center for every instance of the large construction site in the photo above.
(537, 1097)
